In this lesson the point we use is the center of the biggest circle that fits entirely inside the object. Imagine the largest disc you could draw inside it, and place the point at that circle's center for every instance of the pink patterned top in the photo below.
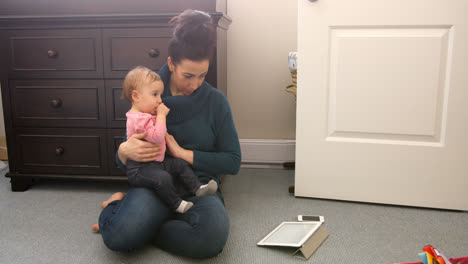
(143, 122)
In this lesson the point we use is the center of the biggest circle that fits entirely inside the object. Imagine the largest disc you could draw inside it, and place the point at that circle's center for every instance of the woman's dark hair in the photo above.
(194, 36)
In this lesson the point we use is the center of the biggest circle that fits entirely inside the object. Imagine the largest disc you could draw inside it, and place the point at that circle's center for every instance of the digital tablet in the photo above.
(290, 234)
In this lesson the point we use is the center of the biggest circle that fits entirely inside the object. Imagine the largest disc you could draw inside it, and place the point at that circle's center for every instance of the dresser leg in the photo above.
(21, 184)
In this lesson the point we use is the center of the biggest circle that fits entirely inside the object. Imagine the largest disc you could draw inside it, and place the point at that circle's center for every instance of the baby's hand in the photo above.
(162, 109)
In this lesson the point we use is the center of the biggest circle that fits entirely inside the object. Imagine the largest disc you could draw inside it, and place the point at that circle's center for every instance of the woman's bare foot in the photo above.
(95, 228)
(116, 196)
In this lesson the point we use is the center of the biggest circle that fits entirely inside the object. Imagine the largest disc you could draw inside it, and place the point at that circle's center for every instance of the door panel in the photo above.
(380, 115)
(392, 90)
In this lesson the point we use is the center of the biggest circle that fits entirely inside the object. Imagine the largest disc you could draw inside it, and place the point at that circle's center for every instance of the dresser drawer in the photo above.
(126, 48)
(116, 107)
(58, 103)
(55, 53)
(77, 151)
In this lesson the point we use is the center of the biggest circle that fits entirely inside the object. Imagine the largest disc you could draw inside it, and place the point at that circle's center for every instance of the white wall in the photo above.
(260, 37)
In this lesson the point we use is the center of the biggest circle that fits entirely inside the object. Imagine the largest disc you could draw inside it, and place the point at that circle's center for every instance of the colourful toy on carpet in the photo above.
(432, 255)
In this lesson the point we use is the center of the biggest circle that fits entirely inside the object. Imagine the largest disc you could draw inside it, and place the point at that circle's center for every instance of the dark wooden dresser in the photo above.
(61, 71)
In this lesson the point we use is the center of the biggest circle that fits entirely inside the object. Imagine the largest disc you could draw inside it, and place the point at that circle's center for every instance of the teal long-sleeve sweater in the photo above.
(202, 122)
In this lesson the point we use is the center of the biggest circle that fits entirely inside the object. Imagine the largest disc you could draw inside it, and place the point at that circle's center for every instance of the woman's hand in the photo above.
(138, 150)
(177, 151)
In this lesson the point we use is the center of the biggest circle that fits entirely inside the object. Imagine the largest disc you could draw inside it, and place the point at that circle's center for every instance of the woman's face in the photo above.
(187, 76)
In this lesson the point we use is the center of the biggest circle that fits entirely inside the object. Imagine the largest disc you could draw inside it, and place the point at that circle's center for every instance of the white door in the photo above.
(382, 103)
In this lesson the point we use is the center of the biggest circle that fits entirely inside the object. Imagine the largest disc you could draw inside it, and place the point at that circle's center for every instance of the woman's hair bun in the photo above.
(193, 29)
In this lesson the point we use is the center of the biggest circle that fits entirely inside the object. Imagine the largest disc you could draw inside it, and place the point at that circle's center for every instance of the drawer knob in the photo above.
(52, 53)
(56, 103)
(153, 53)
(59, 151)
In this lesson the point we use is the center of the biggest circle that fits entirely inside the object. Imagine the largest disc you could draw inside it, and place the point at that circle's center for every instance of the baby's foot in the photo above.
(116, 196)
(184, 207)
(207, 189)
(95, 228)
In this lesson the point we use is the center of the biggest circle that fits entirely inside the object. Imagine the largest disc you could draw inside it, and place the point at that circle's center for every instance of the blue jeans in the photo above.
(141, 217)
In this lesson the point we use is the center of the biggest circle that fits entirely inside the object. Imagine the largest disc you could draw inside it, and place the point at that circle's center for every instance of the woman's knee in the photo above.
(133, 221)
(122, 241)
(212, 228)
(212, 243)
(201, 232)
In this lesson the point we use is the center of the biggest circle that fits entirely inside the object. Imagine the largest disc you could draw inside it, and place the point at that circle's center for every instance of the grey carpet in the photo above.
(50, 223)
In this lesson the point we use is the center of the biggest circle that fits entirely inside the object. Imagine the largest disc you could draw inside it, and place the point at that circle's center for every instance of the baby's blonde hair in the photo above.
(135, 78)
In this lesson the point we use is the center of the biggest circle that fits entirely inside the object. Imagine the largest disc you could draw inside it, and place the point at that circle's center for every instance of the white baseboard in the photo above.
(267, 153)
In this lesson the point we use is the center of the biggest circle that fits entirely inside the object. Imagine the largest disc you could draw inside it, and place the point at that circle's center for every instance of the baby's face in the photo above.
(150, 97)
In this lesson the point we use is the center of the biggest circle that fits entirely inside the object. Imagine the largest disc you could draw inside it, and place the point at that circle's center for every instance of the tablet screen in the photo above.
(290, 234)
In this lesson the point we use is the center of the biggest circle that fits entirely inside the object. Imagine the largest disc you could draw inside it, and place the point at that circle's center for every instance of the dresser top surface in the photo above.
(92, 7)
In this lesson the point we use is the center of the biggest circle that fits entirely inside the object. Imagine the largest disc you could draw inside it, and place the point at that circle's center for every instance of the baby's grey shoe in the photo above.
(207, 189)
(184, 207)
